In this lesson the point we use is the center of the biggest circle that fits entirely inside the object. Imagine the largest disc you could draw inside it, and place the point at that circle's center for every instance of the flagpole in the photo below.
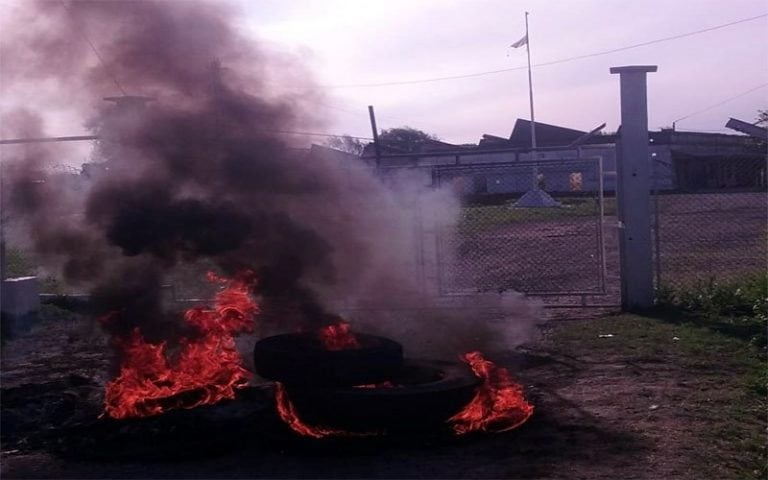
(535, 179)
(530, 83)
(535, 197)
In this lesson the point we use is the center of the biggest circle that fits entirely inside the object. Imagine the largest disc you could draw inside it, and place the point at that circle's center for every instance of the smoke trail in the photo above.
(192, 167)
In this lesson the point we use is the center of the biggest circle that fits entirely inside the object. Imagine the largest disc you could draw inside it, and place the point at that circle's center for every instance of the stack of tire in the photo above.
(368, 388)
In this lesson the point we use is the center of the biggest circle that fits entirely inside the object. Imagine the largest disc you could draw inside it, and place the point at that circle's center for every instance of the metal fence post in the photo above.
(633, 189)
(656, 224)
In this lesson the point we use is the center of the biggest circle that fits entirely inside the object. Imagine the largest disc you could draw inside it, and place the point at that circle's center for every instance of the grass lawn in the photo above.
(693, 398)
(484, 217)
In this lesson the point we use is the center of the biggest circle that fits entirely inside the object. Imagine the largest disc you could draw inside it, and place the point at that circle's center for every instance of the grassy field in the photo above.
(694, 398)
(484, 217)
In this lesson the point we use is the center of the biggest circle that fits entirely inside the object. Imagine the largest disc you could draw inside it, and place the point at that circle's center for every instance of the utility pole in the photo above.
(375, 135)
(2, 227)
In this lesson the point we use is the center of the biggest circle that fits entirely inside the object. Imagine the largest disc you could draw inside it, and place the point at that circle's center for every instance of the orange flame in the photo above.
(338, 337)
(498, 405)
(288, 414)
(207, 368)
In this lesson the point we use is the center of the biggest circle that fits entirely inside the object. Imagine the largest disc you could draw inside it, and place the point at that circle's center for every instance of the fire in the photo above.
(207, 369)
(338, 337)
(498, 405)
(288, 414)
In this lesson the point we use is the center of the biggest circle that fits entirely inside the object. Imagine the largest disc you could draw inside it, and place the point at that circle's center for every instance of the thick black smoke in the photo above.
(196, 167)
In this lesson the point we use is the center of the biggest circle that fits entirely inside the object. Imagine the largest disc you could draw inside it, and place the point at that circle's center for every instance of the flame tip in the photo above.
(206, 370)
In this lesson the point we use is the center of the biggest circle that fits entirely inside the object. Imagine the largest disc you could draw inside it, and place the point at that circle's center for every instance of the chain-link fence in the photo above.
(530, 227)
(712, 234)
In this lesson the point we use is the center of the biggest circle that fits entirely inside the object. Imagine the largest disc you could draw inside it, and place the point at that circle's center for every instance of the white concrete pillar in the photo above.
(633, 189)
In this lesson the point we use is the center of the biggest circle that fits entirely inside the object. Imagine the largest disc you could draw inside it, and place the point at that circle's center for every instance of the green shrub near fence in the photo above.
(21, 264)
(737, 307)
(17, 263)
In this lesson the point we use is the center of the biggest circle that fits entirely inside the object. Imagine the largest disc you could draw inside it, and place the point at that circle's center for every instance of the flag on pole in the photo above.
(521, 42)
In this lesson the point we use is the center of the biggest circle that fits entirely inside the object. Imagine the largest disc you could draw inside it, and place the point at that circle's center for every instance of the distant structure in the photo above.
(682, 161)
(750, 129)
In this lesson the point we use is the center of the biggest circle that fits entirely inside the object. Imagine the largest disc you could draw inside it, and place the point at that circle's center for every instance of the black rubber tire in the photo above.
(299, 359)
(448, 388)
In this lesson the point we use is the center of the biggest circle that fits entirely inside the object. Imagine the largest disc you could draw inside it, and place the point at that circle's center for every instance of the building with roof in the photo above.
(681, 161)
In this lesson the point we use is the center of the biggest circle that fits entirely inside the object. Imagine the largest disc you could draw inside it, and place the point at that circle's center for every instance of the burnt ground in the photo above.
(654, 400)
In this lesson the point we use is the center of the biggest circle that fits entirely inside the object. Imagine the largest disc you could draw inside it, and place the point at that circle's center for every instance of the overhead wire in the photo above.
(317, 134)
(117, 83)
(707, 130)
(722, 102)
(83, 33)
(284, 132)
(357, 113)
(552, 62)
(75, 138)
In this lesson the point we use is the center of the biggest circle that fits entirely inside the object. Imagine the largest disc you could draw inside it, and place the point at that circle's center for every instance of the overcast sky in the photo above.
(363, 42)
(346, 43)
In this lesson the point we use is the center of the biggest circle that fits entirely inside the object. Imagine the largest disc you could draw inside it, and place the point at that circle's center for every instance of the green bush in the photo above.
(20, 264)
(51, 284)
(17, 263)
(746, 296)
(738, 307)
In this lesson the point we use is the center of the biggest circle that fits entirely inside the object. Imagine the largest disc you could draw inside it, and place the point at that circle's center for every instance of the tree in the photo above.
(762, 117)
(346, 143)
(406, 138)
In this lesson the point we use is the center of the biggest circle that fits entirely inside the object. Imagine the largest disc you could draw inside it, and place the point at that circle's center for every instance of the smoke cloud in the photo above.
(195, 164)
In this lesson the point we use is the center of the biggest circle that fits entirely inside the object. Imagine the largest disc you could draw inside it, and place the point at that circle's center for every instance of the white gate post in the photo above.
(633, 189)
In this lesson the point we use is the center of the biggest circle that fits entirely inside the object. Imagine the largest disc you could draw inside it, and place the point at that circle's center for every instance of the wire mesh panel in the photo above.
(529, 227)
(715, 233)
(705, 237)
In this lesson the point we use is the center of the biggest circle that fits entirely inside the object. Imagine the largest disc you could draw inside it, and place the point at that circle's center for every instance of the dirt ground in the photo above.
(705, 236)
(615, 397)
(701, 237)
(559, 255)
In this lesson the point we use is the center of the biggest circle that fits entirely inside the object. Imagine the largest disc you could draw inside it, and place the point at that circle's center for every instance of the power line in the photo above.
(80, 138)
(82, 33)
(316, 134)
(722, 102)
(356, 113)
(73, 138)
(707, 130)
(553, 62)
(658, 40)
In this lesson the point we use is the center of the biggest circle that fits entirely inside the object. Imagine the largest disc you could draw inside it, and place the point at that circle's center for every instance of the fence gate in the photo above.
(559, 252)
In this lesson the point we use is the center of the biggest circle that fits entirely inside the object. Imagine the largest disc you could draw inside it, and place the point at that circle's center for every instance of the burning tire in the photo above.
(421, 394)
(299, 359)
